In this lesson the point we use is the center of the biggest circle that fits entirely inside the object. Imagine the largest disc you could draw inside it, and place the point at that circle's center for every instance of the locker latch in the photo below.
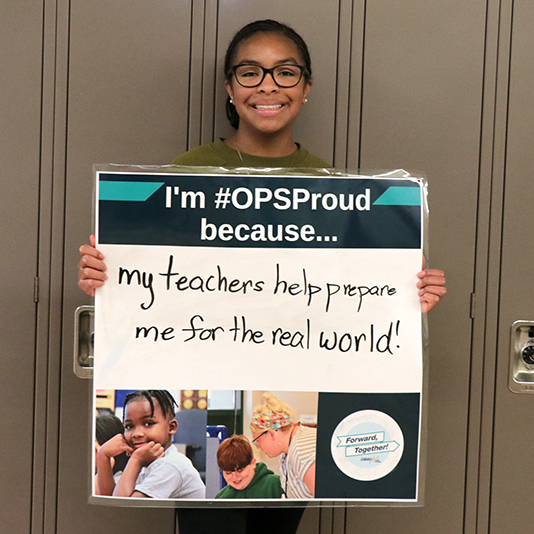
(84, 341)
(522, 357)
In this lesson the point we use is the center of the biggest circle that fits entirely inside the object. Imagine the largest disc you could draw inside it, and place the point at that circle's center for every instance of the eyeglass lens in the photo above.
(255, 441)
(283, 75)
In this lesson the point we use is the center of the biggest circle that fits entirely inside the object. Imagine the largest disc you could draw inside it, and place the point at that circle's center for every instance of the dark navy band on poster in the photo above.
(368, 445)
(239, 210)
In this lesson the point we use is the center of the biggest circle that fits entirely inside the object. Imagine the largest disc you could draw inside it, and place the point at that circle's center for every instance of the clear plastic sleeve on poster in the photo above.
(259, 341)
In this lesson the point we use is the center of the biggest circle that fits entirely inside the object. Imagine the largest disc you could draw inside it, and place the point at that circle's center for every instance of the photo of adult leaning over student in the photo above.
(246, 477)
(277, 434)
(155, 468)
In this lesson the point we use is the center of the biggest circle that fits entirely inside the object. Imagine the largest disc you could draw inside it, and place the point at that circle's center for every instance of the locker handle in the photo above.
(84, 341)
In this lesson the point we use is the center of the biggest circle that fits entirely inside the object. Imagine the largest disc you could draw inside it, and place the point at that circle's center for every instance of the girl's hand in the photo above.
(91, 268)
(146, 454)
(115, 446)
(432, 288)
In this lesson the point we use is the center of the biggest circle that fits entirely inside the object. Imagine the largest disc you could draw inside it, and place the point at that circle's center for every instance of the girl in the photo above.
(276, 434)
(268, 77)
(155, 469)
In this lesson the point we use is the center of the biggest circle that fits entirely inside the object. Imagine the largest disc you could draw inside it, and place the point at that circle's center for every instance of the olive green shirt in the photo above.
(218, 154)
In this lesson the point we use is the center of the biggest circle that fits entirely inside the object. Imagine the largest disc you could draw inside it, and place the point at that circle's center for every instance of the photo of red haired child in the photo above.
(246, 478)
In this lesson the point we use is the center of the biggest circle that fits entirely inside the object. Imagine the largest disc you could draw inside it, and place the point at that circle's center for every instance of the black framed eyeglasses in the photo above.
(283, 75)
(255, 441)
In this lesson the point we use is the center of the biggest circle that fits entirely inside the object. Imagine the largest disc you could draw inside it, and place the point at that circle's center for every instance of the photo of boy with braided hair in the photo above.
(246, 478)
(155, 468)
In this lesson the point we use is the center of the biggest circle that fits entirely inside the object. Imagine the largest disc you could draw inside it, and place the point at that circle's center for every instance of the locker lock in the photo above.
(528, 350)
(528, 353)
(521, 377)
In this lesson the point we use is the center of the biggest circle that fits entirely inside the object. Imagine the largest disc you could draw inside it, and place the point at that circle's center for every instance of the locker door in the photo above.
(139, 94)
(513, 424)
(127, 102)
(20, 119)
(423, 68)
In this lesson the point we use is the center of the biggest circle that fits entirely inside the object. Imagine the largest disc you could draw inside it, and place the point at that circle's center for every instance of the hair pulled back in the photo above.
(271, 407)
(250, 30)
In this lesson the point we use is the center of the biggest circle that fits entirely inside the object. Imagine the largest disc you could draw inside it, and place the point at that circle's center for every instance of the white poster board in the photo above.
(268, 282)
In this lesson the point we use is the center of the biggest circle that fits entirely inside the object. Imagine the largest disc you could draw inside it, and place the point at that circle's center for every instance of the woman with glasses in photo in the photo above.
(275, 432)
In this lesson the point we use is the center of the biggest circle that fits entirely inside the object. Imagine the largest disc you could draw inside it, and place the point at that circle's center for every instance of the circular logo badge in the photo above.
(367, 445)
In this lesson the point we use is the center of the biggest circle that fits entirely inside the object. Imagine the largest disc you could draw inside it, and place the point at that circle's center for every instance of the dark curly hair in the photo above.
(162, 396)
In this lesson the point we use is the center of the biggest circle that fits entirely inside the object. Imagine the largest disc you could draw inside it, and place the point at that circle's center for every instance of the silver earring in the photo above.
(231, 101)
(305, 100)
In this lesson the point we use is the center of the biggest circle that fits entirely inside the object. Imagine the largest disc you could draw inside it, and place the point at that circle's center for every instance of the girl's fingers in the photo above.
(91, 262)
(91, 268)
(88, 250)
(428, 301)
(89, 286)
(439, 291)
(431, 277)
(432, 288)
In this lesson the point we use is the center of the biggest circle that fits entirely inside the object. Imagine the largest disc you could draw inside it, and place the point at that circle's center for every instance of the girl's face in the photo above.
(141, 427)
(267, 108)
(241, 478)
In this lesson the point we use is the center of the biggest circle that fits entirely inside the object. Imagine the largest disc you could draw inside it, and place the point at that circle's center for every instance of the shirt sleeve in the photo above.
(161, 479)
(303, 456)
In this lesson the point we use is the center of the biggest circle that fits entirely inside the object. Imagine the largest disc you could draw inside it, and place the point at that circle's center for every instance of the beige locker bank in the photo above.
(444, 87)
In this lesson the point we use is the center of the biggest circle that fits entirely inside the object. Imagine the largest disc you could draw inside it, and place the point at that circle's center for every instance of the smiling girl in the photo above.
(155, 469)
(268, 77)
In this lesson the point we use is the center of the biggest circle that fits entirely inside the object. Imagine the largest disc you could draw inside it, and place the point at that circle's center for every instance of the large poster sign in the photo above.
(261, 283)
